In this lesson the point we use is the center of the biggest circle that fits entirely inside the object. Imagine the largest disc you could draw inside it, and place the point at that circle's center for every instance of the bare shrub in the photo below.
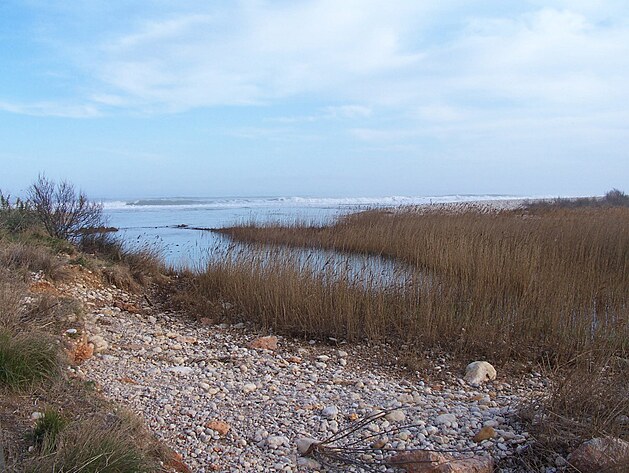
(63, 211)
(102, 244)
(616, 197)
(120, 276)
(613, 198)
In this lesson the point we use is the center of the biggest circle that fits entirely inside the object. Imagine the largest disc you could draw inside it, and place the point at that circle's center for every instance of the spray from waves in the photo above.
(279, 202)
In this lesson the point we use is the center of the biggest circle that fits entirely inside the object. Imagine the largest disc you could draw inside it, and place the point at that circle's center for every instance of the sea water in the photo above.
(179, 227)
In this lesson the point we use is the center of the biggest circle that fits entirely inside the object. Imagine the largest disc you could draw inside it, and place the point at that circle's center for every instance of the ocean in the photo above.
(171, 224)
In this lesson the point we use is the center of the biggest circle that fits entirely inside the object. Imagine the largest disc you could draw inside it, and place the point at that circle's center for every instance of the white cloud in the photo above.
(432, 63)
(51, 109)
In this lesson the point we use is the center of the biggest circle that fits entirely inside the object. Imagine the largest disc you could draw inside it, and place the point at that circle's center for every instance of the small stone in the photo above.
(330, 412)
(445, 419)
(37, 415)
(306, 444)
(380, 443)
(276, 441)
(600, 454)
(181, 370)
(100, 345)
(395, 416)
(423, 461)
(249, 388)
(264, 343)
(485, 433)
(219, 426)
(308, 463)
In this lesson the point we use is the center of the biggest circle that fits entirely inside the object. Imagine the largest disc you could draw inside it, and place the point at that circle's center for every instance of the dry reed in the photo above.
(507, 285)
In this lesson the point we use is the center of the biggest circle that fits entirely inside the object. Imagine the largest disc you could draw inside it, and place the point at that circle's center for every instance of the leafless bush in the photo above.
(63, 211)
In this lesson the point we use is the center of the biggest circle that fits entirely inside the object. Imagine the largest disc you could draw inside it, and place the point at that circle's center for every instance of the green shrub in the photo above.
(26, 359)
(47, 430)
(17, 216)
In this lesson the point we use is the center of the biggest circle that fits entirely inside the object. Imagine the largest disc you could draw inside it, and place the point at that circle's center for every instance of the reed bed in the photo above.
(523, 285)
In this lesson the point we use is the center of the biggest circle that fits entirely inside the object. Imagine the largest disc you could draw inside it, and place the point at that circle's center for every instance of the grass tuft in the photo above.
(47, 430)
(26, 358)
(106, 445)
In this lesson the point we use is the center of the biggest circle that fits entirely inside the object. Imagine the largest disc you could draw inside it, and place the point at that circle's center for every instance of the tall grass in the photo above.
(510, 284)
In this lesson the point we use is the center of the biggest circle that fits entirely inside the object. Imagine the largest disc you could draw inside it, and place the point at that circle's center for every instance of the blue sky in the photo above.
(315, 98)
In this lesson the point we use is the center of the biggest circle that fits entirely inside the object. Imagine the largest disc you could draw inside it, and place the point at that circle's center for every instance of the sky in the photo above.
(315, 97)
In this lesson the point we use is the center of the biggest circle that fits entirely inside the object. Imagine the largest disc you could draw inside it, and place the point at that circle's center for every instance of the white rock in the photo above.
(478, 372)
(330, 412)
(71, 331)
(37, 415)
(304, 444)
(276, 441)
(308, 463)
(445, 418)
(100, 345)
(182, 370)
(396, 416)
(249, 388)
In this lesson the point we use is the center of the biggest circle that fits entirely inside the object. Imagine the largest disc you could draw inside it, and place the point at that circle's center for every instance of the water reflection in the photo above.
(328, 265)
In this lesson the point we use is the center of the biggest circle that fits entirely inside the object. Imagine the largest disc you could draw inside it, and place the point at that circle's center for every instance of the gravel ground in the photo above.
(228, 407)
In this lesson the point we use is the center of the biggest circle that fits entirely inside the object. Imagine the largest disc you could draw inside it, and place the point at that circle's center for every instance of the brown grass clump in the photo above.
(11, 292)
(113, 443)
(28, 257)
(587, 399)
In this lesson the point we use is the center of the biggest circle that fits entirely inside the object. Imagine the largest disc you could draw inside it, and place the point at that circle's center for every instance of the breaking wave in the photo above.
(321, 202)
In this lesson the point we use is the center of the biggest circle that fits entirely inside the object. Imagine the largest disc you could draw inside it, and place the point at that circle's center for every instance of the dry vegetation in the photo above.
(547, 286)
(506, 285)
(79, 431)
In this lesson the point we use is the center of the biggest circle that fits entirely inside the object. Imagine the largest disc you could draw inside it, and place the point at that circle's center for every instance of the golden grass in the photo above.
(508, 285)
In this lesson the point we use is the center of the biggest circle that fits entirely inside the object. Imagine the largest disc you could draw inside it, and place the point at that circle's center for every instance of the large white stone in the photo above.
(478, 372)
(304, 444)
